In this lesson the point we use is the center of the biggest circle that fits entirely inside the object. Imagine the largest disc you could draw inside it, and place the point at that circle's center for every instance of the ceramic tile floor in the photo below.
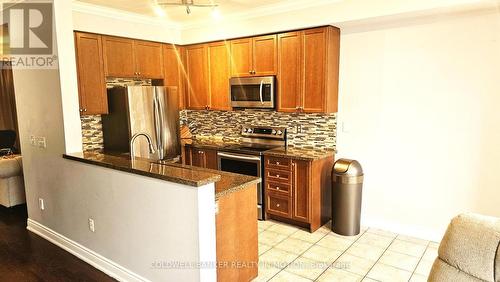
(288, 253)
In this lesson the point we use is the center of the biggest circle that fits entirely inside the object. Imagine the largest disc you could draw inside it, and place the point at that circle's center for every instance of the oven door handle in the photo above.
(260, 92)
(239, 157)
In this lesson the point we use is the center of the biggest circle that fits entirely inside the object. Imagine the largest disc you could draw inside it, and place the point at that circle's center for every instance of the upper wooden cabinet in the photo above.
(197, 97)
(149, 59)
(132, 58)
(90, 69)
(207, 67)
(173, 57)
(308, 70)
(289, 71)
(218, 71)
(256, 56)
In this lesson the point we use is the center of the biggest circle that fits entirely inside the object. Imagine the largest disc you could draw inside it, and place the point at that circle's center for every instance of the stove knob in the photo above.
(273, 132)
(250, 130)
(245, 130)
(279, 132)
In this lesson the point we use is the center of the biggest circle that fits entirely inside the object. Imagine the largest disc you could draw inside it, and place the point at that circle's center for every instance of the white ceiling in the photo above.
(178, 14)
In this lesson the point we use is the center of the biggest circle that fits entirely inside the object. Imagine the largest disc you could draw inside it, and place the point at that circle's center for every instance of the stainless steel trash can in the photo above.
(347, 178)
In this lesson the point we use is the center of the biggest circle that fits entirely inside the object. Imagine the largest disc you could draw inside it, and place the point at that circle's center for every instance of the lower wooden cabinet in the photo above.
(201, 157)
(298, 191)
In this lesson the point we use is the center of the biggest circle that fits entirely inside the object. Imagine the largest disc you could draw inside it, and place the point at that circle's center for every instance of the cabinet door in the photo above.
(197, 77)
(314, 70)
(149, 59)
(241, 57)
(204, 158)
(91, 82)
(218, 61)
(265, 59)
(173, 70)
(119, 60)
(300, 190)
(289, 71)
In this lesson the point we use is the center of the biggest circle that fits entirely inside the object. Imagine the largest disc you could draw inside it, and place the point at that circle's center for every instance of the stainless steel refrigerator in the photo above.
(152, 110)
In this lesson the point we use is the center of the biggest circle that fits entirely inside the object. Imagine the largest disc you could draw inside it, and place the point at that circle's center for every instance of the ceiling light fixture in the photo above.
(188, 4)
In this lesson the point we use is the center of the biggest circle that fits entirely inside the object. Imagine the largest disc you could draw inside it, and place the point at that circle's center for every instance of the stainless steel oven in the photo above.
(252, 92)
(244, 164)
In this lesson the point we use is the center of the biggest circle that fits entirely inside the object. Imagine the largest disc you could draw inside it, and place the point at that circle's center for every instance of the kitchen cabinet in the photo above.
(219, 72)
(255, 56)
(308, 70)
(173, 57)
(298, 191)
(289, 71)
(197, 77)
(207, 67)
(90, 69)
(204, 158)
(125, 57)
(149, 59)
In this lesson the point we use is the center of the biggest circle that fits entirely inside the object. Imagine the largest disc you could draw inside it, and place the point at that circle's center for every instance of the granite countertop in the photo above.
(300, 153)
(287, 152)
(225, 182)
(209, 143)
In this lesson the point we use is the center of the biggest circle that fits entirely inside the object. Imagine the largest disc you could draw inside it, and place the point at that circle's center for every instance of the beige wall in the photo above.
(419, 106)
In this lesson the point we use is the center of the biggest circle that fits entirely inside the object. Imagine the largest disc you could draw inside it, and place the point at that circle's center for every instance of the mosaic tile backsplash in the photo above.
(92, 133)
(308, 131)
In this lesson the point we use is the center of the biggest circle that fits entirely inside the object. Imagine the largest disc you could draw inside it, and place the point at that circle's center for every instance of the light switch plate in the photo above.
(33, 140)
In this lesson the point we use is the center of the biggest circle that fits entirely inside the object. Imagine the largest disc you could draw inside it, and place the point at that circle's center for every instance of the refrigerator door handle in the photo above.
(161, 127)
(157, 125)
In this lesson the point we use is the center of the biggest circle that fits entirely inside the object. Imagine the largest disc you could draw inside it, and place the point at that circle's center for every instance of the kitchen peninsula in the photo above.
(225, 202)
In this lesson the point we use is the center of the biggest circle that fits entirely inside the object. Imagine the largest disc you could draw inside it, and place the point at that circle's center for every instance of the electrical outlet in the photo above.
(41, 204)
(299, 128)
(91, 225)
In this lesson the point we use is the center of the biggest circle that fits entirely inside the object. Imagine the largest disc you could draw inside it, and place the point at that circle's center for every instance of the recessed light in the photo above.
(216, 15)
(159, 11)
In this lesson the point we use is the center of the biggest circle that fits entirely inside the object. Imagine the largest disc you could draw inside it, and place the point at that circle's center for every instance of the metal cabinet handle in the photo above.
(84, 110)
(277, 205)
(277, 188)
(260, 91)
(201, 152)
(277, 163)
(277, 175)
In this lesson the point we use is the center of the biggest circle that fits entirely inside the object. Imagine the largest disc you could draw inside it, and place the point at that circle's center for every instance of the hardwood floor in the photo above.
(25, 256)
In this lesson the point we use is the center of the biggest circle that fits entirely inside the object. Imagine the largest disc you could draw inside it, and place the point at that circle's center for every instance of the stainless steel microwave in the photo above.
(252, 92)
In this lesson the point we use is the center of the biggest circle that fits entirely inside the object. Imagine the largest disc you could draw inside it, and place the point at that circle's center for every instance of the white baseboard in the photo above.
(105, 265)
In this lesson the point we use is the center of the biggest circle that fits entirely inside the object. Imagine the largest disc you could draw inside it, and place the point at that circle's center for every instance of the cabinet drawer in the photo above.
(279, 163)
(276, 187)
(278, 175)
(279, 205)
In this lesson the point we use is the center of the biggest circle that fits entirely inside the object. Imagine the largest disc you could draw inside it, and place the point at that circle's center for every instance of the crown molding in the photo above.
(116, 14)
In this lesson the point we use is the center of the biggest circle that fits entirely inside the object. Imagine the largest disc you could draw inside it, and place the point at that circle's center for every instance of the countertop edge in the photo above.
(213, 179)
(269, 153)
(297, 157)
(236, 189)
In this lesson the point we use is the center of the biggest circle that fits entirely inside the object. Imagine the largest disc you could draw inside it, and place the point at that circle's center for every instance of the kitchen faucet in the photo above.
(132, 140)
